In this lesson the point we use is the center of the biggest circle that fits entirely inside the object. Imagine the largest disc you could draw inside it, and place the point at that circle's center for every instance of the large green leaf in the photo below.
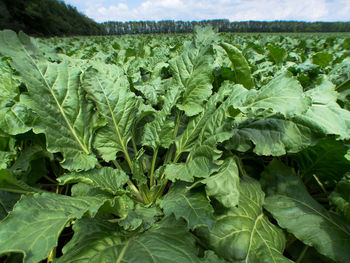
(96, 241)
(240, 66)
(325, 112)
(243, 233)
(9, 183)
(189, 204)
(340, 197)
(35, 223)
(272, 97)
(224, 185)
(160, 132)
(326, 160)
(7, 201)
(15, 117)
(198, 167)
(193, 72)
(109, 90)
(294, 209)
(105, 178)
(55, 94)
(272, 136)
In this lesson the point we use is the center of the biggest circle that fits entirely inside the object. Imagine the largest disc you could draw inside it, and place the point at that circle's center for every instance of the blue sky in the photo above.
(234, 10)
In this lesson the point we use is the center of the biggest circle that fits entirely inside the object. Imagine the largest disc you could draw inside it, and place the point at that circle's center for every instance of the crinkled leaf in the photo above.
(160, 132)
(16, 119)
(141, 216)
(30, 165)
(110, 92)
(240, 66)
(167, 241)
(36, 222)
(198, 167)
(325, 113)
(55, 94)
(272, 136)
(276, 53)
(272, 97)
(7, 202)
(224, 185)
(189, 204)
(243, 233)
(9, 183)
(105, 178)
(322, 59)
(326, 160)
(340, 197)
(294, 209)
(193, 72)
(211, 257)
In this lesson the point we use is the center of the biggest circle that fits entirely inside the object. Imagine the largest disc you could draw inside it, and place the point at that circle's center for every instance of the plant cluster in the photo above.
(204, 148)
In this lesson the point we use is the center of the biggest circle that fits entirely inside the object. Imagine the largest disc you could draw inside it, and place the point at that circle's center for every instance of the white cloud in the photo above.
(235, 10)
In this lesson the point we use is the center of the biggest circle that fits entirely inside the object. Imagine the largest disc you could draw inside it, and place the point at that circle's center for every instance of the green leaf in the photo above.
(189, 204)
(141, 216)
(193, 73)
(322, 59)
(166, 241)
(276, 53)
(9, 183)
(340, 197)
(224, 185)
(243, 233)
(294, 209)
(240, 66)
(272, 97)
(105, 178)
(36, 222)
(109, 90)
(325, 113)
(7, 201)
(326, 160)
(55, 94)
(211, 257)
(160, 132)
(15, 117)
(198, 167)
(7, 150)
(272, 136)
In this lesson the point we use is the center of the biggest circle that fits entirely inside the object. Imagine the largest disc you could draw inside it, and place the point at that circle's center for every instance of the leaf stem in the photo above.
(130, 184)
(153, 165)
(302, 254)
(134, 145)
(320, 183)
(136, 191)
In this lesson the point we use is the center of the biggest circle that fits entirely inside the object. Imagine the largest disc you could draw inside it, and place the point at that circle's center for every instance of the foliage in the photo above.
(202, 148)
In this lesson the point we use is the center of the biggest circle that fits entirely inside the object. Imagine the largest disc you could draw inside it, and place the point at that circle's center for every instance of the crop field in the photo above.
(177, 148)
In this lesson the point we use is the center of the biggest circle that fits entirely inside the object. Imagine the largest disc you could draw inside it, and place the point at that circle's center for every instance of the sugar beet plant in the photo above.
(189, 161)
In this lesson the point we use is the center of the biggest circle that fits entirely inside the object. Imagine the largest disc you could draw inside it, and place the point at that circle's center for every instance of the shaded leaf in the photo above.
(244, 234)
(294, 209)
(191, 205)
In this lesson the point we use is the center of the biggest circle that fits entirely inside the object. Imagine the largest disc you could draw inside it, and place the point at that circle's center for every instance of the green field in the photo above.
(178, 148)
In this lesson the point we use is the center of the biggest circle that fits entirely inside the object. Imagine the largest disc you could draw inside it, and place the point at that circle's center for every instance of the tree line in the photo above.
(223, 25)
(55, 18)
(46, 18)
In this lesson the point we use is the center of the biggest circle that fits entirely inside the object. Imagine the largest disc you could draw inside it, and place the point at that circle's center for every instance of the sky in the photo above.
(234, 10)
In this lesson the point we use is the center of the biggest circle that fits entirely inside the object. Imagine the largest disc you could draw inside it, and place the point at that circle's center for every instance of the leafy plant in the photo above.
(154, 155)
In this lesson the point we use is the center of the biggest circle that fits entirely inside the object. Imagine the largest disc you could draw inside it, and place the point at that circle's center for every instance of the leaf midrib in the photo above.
(57, 103)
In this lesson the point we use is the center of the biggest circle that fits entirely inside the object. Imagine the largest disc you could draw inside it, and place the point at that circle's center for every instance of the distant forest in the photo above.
(55, 18)
(46, 18)
(223, 25)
